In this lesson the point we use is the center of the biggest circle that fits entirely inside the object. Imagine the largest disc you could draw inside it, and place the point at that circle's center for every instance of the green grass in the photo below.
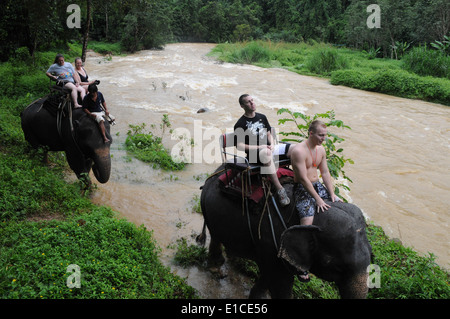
(116, 260)
(405, 274)
(409, 78)
(105, 48)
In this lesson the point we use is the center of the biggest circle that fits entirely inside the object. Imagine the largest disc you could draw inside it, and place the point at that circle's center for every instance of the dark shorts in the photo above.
(304, 202)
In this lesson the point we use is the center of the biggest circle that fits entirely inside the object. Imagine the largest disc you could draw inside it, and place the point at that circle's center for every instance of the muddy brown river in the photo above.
(401, 147)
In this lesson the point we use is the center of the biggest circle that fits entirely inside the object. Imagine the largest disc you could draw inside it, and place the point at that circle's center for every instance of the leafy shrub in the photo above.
(189, 255)
(251, 53)
(423, 61)
(148, 147)
(325, 61)
(396, 82)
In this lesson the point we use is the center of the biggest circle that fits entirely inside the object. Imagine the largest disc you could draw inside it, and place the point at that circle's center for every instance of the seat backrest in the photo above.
(228, 150)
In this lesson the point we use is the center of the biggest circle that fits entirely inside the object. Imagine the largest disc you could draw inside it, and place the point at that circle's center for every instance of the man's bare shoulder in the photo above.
(298, 151)
(321, 150)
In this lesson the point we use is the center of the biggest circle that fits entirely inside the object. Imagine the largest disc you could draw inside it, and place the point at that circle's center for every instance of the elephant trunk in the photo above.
(354, 287)
(102, 165)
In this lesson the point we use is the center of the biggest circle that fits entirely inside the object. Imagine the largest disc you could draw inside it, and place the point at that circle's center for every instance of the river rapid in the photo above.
(400, 147)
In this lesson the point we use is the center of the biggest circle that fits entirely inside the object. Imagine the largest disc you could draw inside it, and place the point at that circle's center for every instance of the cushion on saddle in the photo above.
(232, 181)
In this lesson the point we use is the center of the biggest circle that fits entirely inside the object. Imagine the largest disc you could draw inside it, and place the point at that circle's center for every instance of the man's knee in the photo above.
(265, 156)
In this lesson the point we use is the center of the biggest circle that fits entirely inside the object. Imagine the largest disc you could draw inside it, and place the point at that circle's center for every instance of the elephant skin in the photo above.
(335, 248)
(84, 147)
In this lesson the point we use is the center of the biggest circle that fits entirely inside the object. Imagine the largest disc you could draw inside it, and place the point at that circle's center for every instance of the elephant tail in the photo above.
(201, 239)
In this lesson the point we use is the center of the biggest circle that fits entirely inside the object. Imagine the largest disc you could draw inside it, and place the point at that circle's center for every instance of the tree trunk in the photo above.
(86, 31)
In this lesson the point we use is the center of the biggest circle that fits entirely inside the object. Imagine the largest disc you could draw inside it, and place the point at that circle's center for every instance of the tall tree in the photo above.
(86, 30)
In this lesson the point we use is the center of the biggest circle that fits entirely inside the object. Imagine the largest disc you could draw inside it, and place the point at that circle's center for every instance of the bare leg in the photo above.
(73, 93)
(307, 220)
(102, 129)
(269, 167)
(82, 92)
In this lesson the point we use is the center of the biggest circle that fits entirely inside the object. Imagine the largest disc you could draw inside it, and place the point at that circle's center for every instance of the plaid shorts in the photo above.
(304, 202)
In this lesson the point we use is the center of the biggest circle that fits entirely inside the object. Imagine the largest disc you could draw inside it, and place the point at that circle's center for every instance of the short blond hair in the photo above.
(315, 124)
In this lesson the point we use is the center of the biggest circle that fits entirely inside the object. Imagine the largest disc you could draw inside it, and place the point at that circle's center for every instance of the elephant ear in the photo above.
(297, 244)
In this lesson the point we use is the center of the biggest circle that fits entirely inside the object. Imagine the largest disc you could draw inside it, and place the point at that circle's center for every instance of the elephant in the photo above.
(335, 248)
(78, 136)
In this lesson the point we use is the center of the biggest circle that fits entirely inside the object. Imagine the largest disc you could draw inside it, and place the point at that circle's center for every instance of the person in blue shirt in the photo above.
(94, 105)
(63, 73)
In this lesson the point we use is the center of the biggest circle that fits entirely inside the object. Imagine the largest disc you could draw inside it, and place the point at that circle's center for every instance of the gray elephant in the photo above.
(335, 248)
(77, 135)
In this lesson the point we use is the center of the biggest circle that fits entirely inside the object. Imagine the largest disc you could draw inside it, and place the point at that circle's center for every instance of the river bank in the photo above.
(348, 67)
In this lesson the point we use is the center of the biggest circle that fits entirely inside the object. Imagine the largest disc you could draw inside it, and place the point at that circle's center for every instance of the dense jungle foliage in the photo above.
(144, 24)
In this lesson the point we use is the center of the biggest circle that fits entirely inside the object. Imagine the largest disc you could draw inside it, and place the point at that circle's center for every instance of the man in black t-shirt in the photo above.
(253, 135)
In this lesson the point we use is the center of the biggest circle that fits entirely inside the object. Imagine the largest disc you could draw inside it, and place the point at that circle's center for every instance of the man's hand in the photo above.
(322, 206)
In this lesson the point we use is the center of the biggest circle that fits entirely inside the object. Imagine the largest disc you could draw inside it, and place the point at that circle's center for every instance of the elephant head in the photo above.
(96, 153)
(335, 249)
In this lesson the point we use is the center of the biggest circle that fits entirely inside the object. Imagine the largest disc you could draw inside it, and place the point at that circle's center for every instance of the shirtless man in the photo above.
(306, 158)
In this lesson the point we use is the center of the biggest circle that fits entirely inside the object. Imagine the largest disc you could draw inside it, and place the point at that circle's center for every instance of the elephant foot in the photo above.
(218, 272)
(259, 291)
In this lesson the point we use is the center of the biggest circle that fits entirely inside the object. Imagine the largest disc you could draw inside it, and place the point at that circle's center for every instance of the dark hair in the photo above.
(92, 88)
(241, 98)
(57, 57)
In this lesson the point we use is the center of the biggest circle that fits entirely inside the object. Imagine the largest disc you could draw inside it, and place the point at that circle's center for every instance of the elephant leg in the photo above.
(280, 284)
(215, 258)
(259, 289)
(274, 279)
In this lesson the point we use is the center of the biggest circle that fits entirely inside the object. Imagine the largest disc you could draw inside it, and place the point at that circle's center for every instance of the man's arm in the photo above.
(89, 113)
(105, 108)
(326, 176)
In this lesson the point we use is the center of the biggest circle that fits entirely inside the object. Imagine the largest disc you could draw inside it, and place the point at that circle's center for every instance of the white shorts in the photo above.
(99, 116)
(279, 149)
